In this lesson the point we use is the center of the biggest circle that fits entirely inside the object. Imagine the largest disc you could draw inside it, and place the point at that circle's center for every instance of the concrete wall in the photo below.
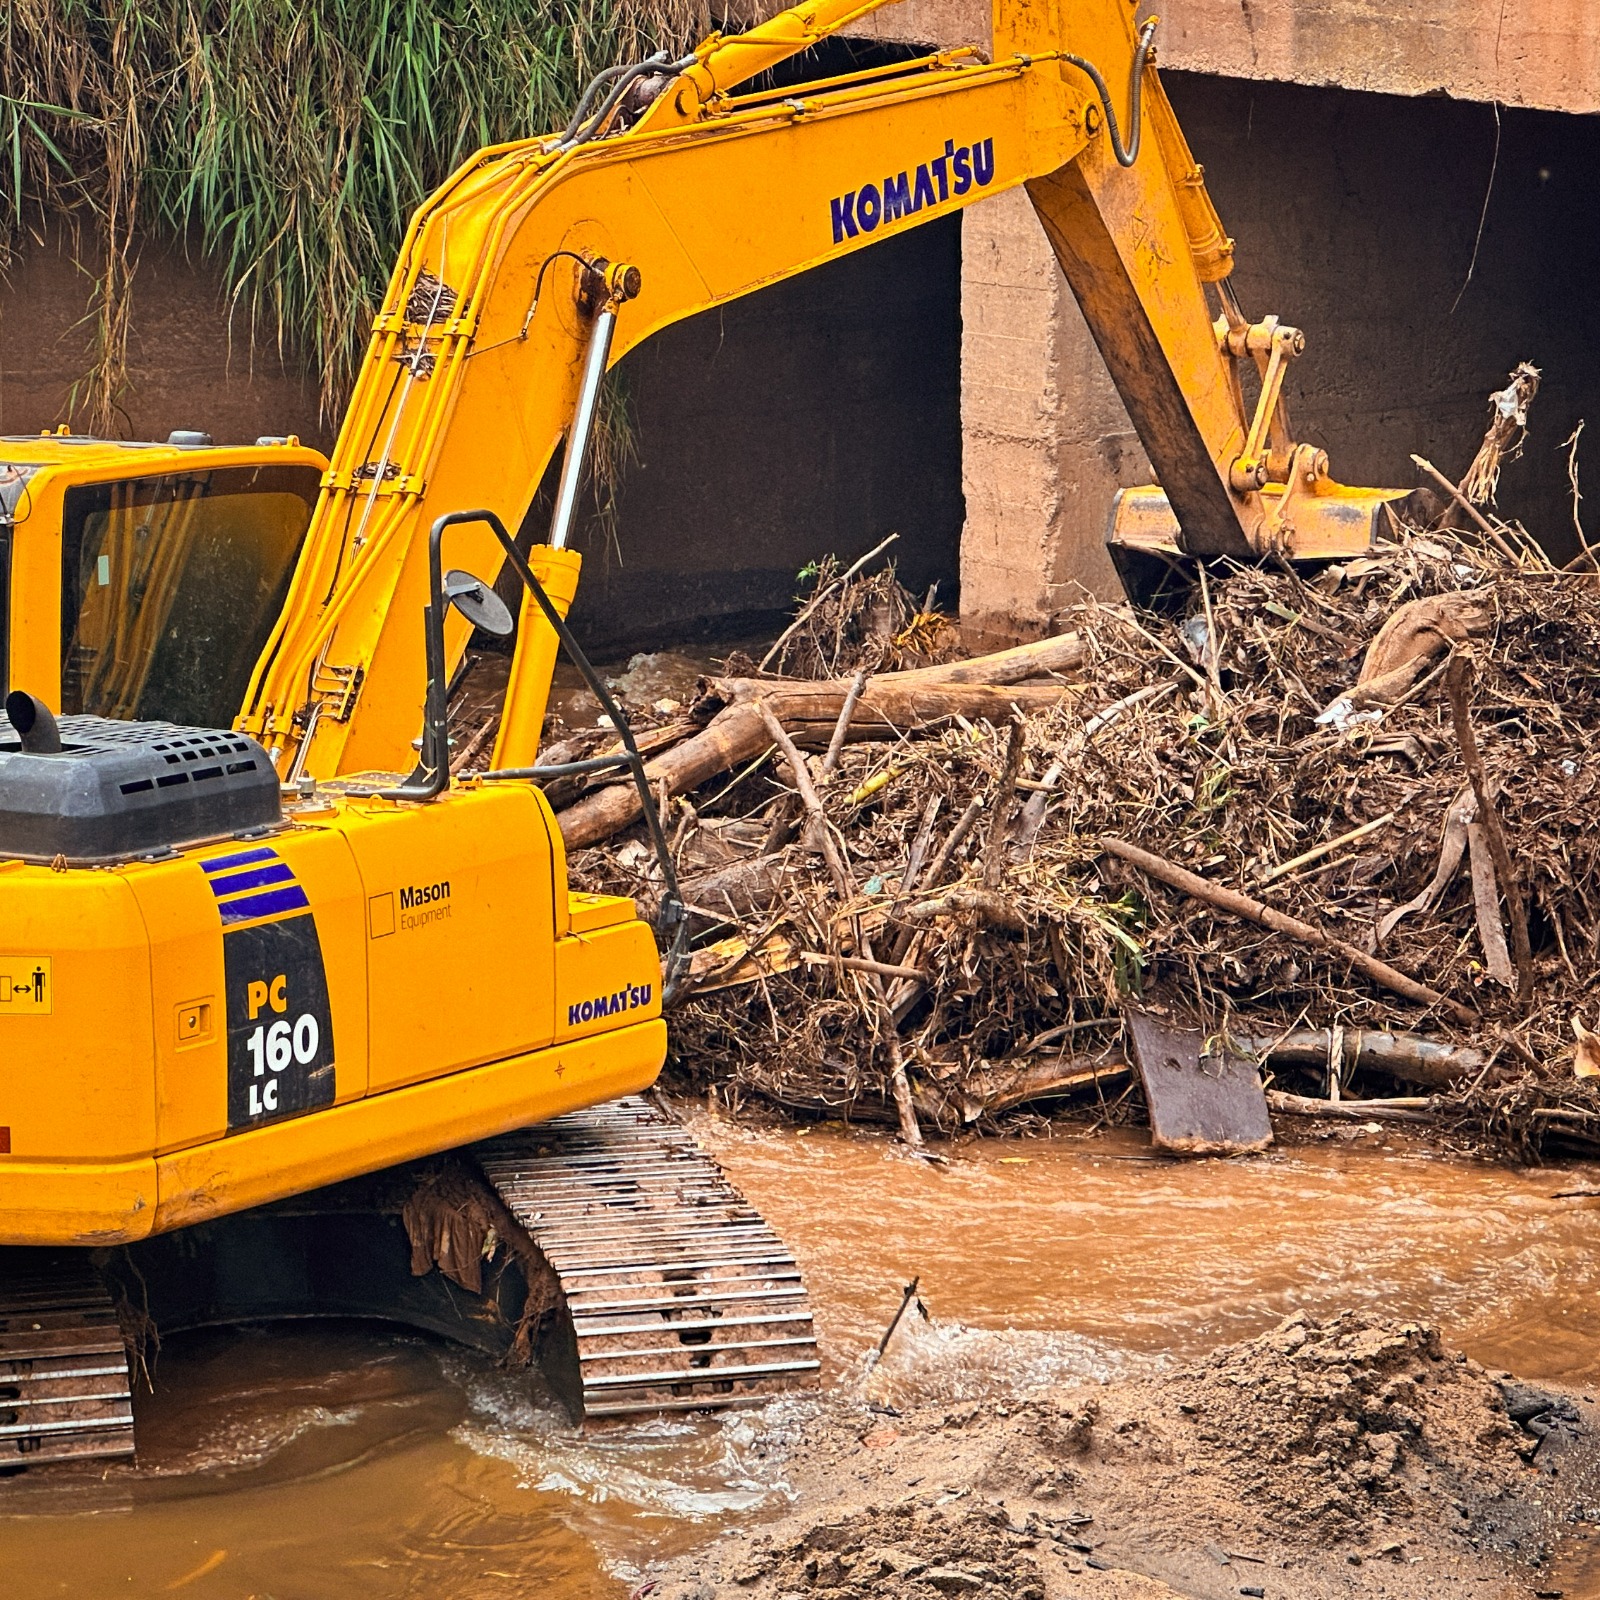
(187, 368)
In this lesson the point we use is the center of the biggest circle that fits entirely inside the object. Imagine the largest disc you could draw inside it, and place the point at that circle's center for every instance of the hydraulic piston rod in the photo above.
(594, 371)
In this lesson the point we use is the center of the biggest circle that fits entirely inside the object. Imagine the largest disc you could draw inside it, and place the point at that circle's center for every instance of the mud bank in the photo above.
(1352, 1457)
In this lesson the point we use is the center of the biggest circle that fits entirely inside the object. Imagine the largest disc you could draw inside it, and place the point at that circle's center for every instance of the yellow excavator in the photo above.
(263, 964)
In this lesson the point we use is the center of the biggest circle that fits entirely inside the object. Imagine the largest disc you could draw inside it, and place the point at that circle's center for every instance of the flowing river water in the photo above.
(337, 1461)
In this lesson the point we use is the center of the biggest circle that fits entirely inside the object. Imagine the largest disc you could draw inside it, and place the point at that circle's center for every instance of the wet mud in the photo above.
(1351, 1458)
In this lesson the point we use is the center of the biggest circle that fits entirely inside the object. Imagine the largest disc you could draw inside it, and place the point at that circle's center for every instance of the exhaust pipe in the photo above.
(35, 726)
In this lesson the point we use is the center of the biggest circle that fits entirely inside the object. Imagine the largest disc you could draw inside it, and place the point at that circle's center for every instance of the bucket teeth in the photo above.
(678, 1295)
(64, 1392)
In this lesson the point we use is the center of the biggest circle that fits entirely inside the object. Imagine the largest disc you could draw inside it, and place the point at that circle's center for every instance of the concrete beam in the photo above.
(1543, 54)
(1539, 53)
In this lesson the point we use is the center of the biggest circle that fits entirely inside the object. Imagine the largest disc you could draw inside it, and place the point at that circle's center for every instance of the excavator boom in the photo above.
(539, 263)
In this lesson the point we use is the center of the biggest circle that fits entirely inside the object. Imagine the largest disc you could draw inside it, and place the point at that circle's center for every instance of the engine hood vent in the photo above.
(117, 791)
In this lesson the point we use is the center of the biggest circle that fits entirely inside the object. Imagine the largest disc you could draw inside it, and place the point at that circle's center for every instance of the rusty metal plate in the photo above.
(1200, 1105)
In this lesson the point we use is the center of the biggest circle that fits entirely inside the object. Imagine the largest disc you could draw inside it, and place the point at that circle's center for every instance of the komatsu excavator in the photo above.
(257, 946)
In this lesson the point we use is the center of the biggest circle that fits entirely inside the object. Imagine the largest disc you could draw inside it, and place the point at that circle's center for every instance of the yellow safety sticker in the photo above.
(27, 986)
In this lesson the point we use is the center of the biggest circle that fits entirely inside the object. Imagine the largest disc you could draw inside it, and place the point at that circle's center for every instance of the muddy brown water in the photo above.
(336, 1461)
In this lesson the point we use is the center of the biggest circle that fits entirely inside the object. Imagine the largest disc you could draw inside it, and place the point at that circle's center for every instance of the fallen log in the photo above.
(1458, 683)
(888, 707)
(948, 1109)
(1003, 1088)
(1062, 653)
(650, 741)
(1408, 1109)
(1415, 639)
(734, 961)
(1412, 1057)
(739, 889)
(728, 739)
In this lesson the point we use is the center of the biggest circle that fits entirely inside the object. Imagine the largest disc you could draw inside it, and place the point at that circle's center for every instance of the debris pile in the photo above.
(1342, 820)
(1324, 1426)
(1355, 1456)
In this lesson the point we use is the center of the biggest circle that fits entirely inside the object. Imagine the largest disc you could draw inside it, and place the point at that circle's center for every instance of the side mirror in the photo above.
(477, 602)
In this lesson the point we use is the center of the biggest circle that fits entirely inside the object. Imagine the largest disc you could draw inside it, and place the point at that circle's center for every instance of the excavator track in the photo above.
(64, 1389)
(680, 1295)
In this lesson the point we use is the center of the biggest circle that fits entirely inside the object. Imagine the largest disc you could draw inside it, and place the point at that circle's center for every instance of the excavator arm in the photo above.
(542, 262)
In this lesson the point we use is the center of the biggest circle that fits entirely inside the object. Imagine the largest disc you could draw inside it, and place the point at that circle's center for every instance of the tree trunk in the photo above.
(891, 705)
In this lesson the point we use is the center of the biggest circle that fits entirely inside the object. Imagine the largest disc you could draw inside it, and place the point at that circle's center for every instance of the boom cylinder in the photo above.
(594, 371)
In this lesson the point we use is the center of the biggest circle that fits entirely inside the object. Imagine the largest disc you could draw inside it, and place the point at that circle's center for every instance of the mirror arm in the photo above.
(432, 776)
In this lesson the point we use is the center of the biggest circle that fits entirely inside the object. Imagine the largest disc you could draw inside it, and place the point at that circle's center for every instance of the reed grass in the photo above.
(285, 141)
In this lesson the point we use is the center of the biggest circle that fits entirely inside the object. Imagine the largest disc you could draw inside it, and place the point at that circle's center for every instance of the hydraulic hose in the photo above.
(1125, 156)
(658, 65)
(596, 83)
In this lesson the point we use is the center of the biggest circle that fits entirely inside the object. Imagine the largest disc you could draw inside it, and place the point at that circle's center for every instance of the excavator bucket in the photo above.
(1334, 524)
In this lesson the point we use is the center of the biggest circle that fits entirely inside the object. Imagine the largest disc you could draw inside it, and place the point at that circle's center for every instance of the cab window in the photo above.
(170, 586)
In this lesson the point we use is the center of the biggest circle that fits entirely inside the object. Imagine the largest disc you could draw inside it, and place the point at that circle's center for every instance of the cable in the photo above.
(1125, 157)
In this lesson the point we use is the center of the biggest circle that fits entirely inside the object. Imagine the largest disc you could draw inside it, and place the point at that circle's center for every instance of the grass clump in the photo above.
(287, 141)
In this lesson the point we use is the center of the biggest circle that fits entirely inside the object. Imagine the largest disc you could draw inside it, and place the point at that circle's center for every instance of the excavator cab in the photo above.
(139, 581)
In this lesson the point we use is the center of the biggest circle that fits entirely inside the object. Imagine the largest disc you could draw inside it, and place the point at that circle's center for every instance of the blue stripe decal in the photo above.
(270, 904)
(240, 858)
(252, 878)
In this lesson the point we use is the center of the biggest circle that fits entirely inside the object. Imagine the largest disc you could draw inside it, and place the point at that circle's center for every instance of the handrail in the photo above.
(561, 769)
(432, 776)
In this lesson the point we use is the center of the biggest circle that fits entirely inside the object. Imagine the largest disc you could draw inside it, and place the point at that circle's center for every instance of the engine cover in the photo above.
(118, 790)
